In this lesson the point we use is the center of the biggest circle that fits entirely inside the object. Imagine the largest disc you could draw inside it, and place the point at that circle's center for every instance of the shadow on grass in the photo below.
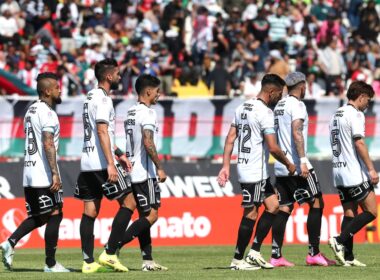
(217, 267)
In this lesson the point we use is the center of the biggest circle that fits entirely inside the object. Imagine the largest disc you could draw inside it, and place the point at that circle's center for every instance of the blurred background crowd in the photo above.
(196, 47)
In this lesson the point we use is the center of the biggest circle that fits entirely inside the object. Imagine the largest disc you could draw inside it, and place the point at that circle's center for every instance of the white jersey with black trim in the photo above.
(253, 119)
(347, 124)
(39, 118)
(139, 118)
(97, 108)
(286, 111)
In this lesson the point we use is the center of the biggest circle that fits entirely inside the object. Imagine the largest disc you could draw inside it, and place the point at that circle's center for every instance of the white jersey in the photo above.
(39, 117)
(139, 118)
(288, 110)
(347, 124)
(97, 108)
(253, 119)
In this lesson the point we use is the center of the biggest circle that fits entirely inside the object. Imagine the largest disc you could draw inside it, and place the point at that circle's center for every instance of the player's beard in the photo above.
(58, 100)
(114, 85)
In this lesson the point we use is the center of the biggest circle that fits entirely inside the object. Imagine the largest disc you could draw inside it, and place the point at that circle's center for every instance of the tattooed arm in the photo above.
(299, 141)
(152, 152)
(51, 156)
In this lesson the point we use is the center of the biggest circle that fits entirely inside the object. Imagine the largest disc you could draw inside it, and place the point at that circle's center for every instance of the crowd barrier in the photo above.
(187, 127)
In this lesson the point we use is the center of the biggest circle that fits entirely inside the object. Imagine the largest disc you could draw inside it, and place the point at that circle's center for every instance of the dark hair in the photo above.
(357, 88)
(103, 67)
(144, 81)
(42, 76)
(272, 79)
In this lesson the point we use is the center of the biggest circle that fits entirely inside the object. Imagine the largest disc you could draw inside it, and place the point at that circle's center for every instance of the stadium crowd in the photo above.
(188, 43)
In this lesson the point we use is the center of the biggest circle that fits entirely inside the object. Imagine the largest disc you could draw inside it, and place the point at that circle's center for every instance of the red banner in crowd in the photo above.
(184, 221)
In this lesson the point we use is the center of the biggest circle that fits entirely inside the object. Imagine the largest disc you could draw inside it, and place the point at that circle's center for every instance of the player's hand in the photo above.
(291, 168)
(125, 163)
(374, 177)
(304, 170)
(224, 175)
(112, 173)
(161, 175)
(57, 184)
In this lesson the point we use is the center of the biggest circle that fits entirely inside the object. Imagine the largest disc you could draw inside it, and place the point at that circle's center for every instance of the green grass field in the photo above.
(208, 262)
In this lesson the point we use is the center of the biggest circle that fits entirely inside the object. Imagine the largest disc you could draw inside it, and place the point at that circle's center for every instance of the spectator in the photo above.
(277, 64)
(279, 24)
(219, 80)
(333, 66)
(29, 74)
(251, 85)
(9, 28)
(313, 89)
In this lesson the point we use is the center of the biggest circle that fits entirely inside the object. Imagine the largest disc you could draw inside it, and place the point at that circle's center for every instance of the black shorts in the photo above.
(355, 193)
(147, 195)
(40, 201)
(92, 185)
(296, 188)
(255, 193)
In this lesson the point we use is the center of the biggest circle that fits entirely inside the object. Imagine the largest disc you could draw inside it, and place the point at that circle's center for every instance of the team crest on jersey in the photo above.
(49, 114)
(104, 100)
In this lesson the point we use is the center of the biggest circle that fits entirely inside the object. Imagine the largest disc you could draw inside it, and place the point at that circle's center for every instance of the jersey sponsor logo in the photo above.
(339, 164)
(243, 161)
(29, 163)
(88, 149)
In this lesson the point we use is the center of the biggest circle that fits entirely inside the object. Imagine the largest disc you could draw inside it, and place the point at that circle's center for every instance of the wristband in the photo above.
(304, 160)
(118, 152)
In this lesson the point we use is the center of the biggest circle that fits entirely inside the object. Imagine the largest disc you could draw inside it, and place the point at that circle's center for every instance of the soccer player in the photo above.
(291, 124)
(41, 179)
(253, 125)
(353, 171)
(141, 129)
(100, 173)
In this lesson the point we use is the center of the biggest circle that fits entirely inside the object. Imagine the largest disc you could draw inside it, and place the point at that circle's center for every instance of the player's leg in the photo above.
(32, 222)
(51, 241)
(145, 242)
(366, 198)
(265, 222)
(286, 201)
(147, 197)
(245, 230)
(122, 192)
(120, 222)
(350, 210)
(278, 233)
(90, 212)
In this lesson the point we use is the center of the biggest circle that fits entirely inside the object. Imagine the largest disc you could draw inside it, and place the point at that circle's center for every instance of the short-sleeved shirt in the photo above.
(139, 118)
(253, 119)
(288, 110)
(39, 118)
(97, 108)
(346, 125)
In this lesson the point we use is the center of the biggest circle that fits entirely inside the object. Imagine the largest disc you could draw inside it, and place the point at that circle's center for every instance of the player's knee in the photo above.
(250, 213)
(128, 202)
(318, 203)
(92, 213)
(273, 208)
(152, 217)
(286, 208)
(40, 220)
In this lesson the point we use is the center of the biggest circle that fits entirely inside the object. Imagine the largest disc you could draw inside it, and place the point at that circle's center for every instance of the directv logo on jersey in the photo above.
(339, 164)
(88, 149)
(29, 163)
(242, 161)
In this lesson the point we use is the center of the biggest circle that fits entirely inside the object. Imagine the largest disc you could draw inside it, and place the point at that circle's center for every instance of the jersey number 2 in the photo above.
(246, 131)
